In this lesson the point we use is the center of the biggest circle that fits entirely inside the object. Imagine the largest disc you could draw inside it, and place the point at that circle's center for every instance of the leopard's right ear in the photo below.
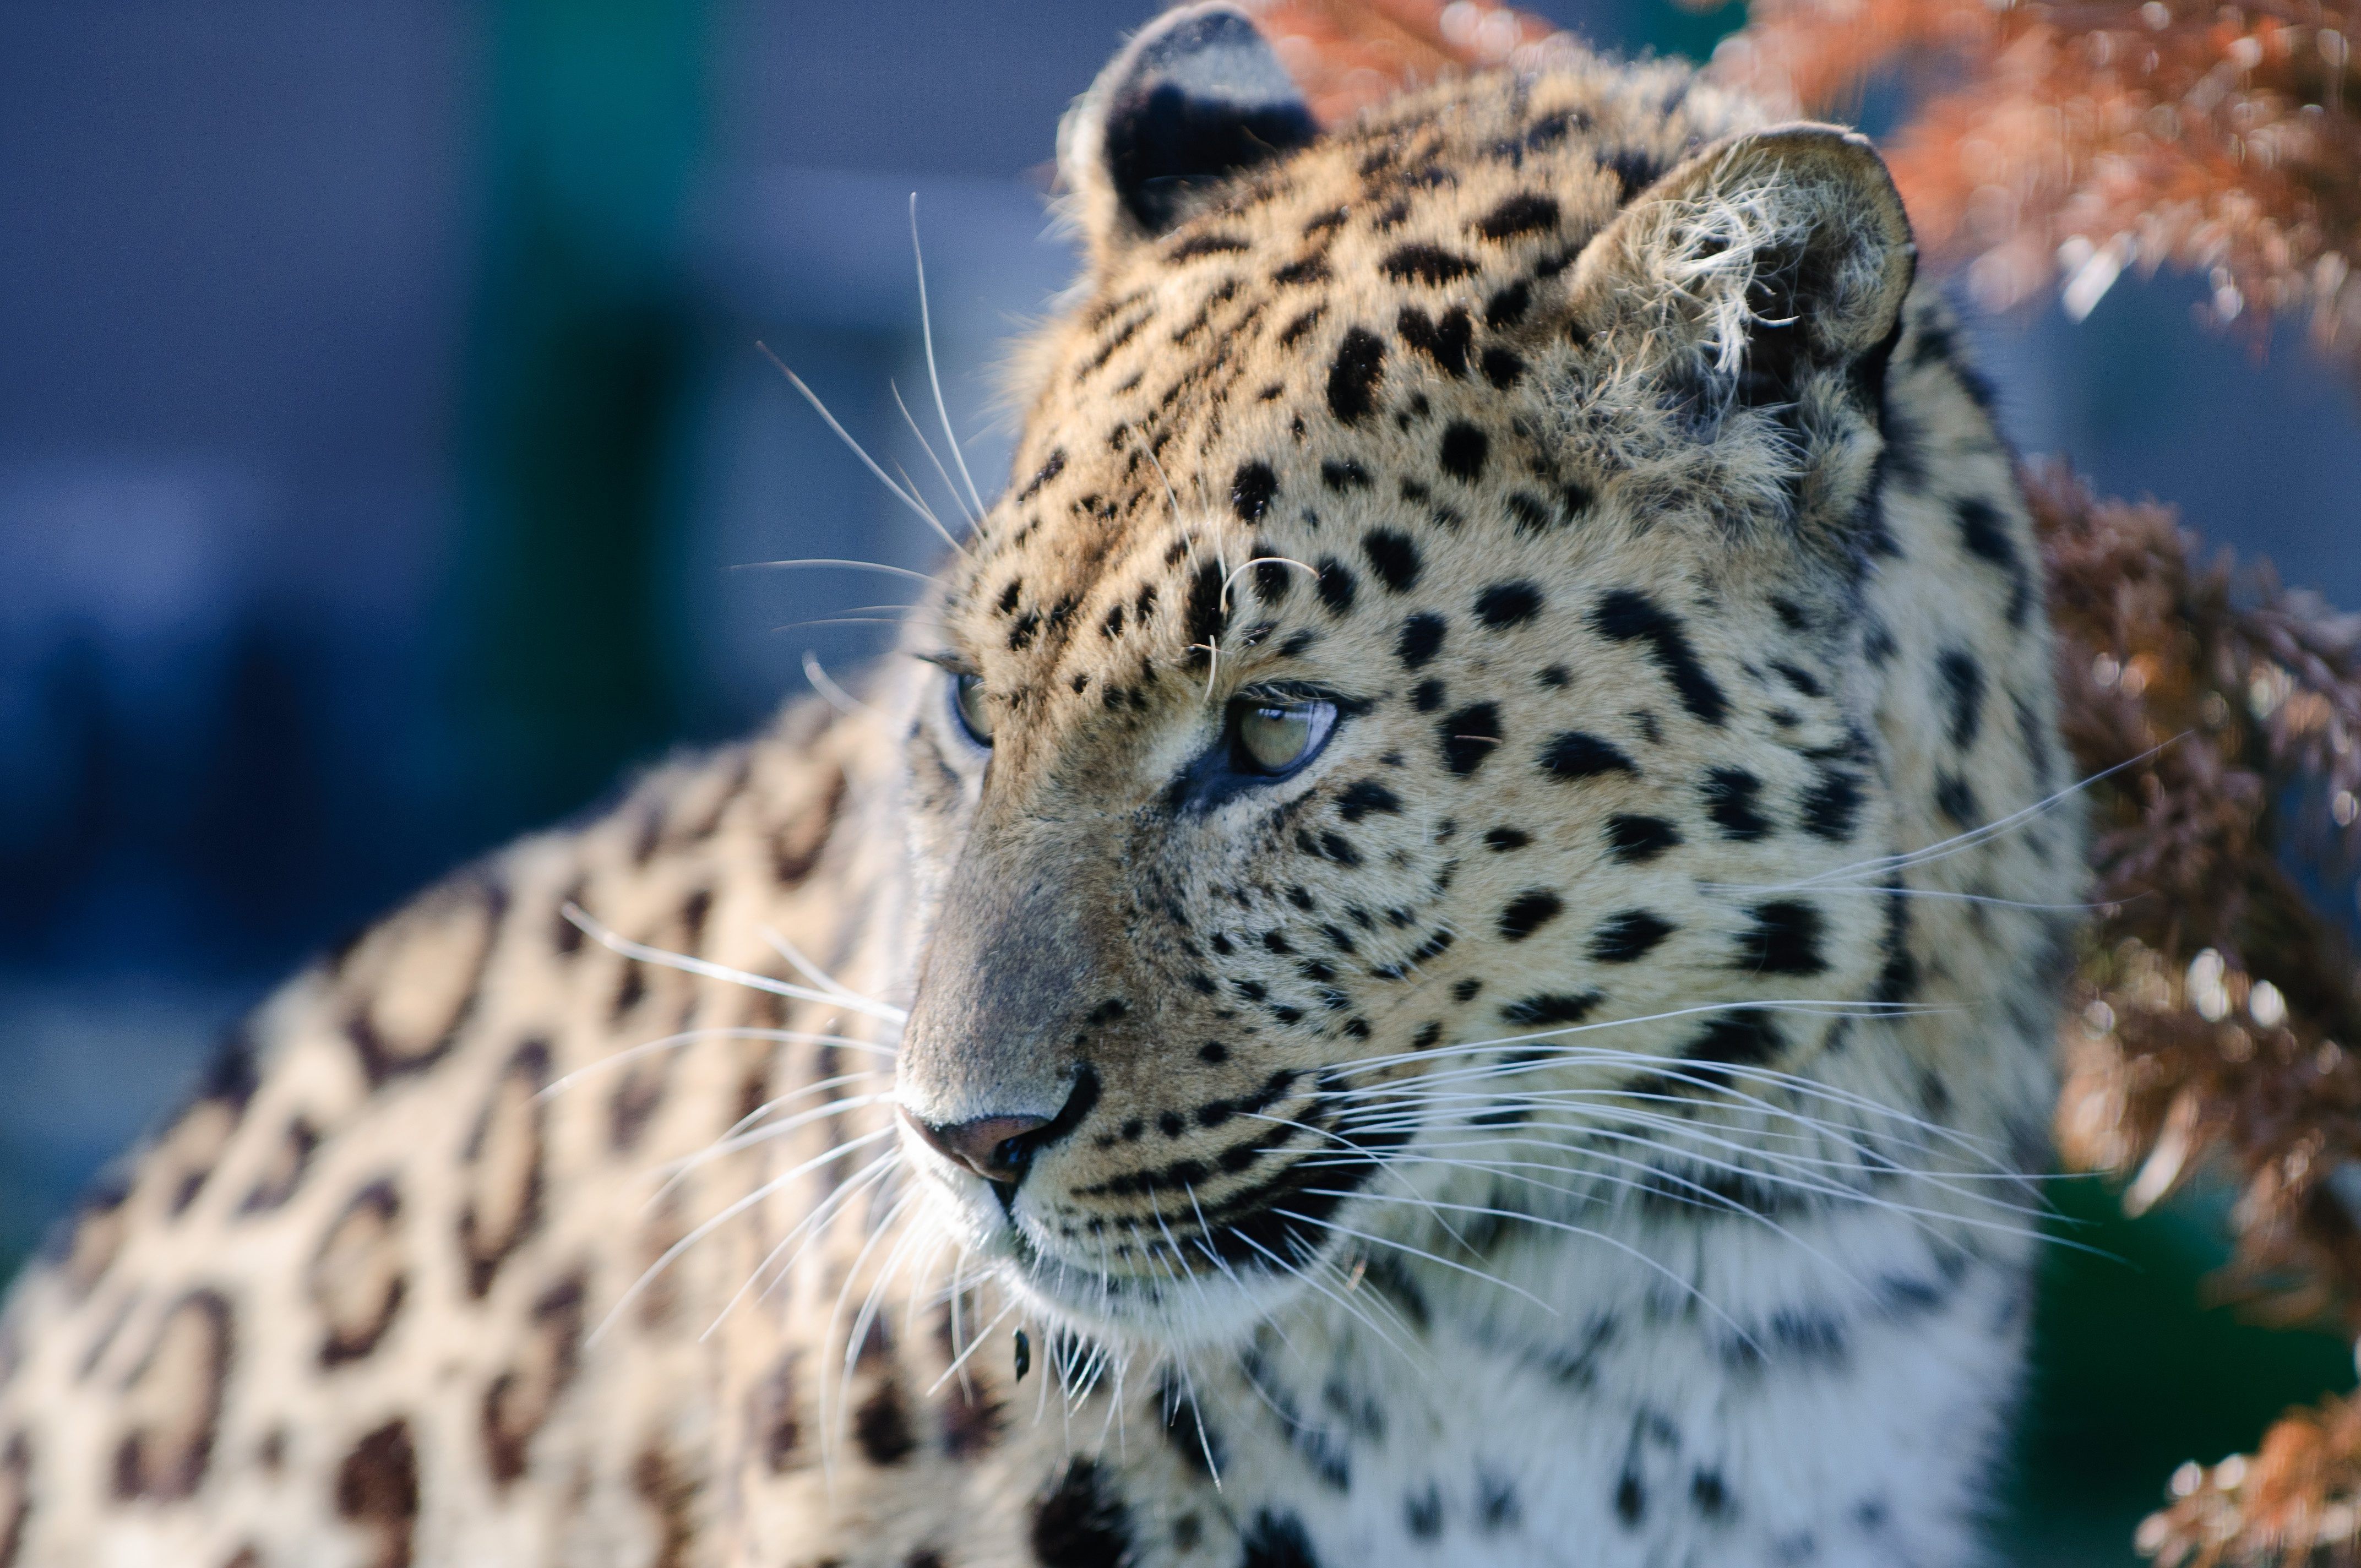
(1197, 97)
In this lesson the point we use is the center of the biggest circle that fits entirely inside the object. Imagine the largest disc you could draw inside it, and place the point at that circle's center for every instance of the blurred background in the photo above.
(382, 427)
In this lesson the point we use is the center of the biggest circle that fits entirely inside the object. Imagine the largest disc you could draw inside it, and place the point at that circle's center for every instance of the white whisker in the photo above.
(904, 497)
(688, 965)
(927, 332)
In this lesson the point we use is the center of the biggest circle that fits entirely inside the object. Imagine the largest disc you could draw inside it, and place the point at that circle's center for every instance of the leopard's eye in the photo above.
(968, 707)
(1275, 738)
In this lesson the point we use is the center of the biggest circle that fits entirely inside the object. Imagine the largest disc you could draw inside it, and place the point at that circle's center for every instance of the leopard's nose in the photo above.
(994, 1148)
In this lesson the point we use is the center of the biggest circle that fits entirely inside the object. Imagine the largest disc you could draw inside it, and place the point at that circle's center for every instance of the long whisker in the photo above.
(690, 1037)
(688, 965)
(904, 497)
(928, 448)
(847, 566)
(927, 332)
(811, 970)
(835, 696)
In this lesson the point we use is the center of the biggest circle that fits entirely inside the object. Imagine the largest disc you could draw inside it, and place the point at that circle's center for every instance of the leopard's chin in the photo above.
(1159, 1312)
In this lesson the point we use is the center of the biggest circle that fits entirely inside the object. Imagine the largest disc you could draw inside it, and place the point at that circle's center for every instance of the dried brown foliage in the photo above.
(1350, 54)
(2215, 1016)
(2296, 1500)
(2088, 139)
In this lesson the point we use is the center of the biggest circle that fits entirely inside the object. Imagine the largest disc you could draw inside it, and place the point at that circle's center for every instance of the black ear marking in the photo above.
(1196, 97)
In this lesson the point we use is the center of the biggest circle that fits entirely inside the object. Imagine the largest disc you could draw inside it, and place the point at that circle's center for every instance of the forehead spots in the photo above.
(1342, 475)
(1729, 800)
(1628, 615)
(1294, 330)
(1271, 579)
(1353, 376)
(1627, 937)
(1551, 1008)
(1393, 557)
(1445, 342)
(1784, 939)
(1421, 640)
(1508, 307)
(1526, 212)
(1463, 451)
(1428, 264)
(1578, 754)
(1508, 604)
(1469, 736)
(1251, 488)
(1048, 472)
(1637, 839)
(1529, 912)
(1336, 584)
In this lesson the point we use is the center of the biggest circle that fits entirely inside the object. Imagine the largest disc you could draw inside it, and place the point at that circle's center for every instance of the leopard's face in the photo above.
(1409, 700)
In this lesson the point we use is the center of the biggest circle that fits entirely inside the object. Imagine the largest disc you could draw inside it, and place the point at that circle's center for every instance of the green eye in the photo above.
(1274, 737)
(968, 707)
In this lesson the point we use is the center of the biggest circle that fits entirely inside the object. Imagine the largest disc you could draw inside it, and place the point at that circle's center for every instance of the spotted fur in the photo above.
(1580, 1110)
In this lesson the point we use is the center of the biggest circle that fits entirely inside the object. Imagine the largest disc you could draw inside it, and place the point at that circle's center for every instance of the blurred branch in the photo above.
(2079, 141)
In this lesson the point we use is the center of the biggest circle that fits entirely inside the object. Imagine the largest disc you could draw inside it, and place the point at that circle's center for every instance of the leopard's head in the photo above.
(1417, 647)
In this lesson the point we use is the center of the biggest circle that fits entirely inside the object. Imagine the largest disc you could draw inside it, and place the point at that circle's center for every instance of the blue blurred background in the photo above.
(380, 423)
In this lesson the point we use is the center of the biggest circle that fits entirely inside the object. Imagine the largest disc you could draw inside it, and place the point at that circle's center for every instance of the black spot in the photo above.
(1212, 1052)
(1428, 696)
(1963, 685)
(1630, 1499)
(1729, 800)
(1393, 557)
(1206, 619)
(1801, 679)
(1529, 912)
(1420, 638)
(1345, 475)
(1271, 580)
(1508, 307)
(1578, 754)
(1464, 447)
(1429, 264)
(1500, 839)
(1627, 937)
(1785, 939)
(1336, 584)
(1503, 368)
(1301, 324)
(1633, 169)
(1205, 245)
(1423, 1512)
(1339, 849)
(1366, 796)
(1049, 471)
(1526, 212)
(1277, 1540)
(1551, 1007)
(1251, 488)
(1468, 737)
(1084, 1523)
(1636, 840)
(1353, 378)
(1508, 604)
(1008, 595)
(882, 1428)
(1956, 800)
(1625, 615)
(1831, 806)
(1532, 516)
(1746, 1039)
(1984, 535)
(1709, 1496)
(1445, 342)
(1555, 676)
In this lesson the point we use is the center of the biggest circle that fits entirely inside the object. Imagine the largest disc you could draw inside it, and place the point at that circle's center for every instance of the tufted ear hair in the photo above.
(1761, 260)
(1196, 97)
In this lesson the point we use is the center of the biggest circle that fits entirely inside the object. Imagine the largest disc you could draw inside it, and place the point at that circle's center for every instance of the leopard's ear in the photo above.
(1762, 261)
(1197, 97)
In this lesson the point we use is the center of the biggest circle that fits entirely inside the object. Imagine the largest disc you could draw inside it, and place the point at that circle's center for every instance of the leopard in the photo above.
(1441, 942)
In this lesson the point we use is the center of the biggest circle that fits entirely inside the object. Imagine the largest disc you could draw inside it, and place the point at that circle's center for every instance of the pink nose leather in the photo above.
(991, 1146)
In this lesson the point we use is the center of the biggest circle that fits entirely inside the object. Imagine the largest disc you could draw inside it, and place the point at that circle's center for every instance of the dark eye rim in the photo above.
(1328, 710)
(960, 682)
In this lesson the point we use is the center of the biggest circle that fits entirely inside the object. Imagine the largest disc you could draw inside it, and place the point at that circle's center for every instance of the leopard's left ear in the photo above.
(1761, 260)
(1198, 96)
